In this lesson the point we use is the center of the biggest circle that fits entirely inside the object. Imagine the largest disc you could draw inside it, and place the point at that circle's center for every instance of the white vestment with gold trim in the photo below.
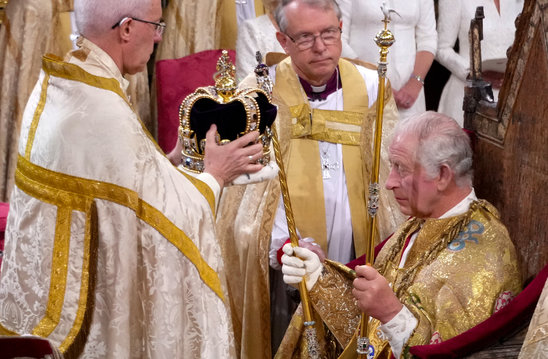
(110, 251)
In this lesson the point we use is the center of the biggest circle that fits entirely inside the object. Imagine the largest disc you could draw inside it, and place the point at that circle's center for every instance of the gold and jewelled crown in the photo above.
(234, 111)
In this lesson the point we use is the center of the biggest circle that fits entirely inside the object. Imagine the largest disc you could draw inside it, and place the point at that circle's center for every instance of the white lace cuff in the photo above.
(398, 330)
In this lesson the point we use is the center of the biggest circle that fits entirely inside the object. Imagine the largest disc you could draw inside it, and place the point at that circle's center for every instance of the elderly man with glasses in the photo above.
(111, 251)
(326, 113)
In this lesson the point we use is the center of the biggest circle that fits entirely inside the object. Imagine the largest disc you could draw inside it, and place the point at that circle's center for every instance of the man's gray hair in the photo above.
(96, 17)
(440, 141)
(281, 19)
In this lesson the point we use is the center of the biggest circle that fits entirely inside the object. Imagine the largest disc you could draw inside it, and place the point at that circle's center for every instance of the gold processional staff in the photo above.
(384, 39)
(310, 335)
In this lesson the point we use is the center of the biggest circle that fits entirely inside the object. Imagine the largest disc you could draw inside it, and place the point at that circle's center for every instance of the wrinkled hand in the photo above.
(407, 95)
(300, 262)
(374, 295)
(312, 246)
(228, 161)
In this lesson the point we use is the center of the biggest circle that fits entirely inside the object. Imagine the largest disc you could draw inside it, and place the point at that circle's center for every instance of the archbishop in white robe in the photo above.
(110, 250)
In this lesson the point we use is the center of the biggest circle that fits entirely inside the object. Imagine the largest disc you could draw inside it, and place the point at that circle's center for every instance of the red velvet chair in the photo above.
(177, 78)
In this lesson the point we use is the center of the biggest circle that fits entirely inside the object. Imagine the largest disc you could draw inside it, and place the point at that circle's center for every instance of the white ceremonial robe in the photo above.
(110, 250)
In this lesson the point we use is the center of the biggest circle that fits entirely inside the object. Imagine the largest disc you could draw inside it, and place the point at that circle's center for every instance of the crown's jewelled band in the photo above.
(193, 153)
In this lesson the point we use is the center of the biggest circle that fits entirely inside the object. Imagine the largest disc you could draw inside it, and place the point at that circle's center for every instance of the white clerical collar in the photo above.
(98, 55)
(462, 206)
(319, 88)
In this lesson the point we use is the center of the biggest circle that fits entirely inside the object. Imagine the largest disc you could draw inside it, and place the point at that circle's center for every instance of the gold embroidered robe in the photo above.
(459, 271)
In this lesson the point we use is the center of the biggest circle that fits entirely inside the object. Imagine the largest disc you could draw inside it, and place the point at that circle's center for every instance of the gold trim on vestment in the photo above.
(204, 189)
(36, 117)
(54, 66)
(69, 71)
(80, 329)
(59, 270)
(71, 193)
(76, 186)
(31, 180)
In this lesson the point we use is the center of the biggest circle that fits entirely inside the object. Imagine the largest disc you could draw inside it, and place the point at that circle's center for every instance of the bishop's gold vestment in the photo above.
(460, 270)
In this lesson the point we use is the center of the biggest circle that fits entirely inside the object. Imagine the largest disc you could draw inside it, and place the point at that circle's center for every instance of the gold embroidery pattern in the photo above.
(125, 197)
(450, 233)
(58, 274)
(342, 127)
(70, 193)
(337, 306)
(25, 178)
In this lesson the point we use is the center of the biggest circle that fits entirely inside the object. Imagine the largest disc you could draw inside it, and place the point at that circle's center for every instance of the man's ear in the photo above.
(125, 30)
(282, 39)
(445, 177)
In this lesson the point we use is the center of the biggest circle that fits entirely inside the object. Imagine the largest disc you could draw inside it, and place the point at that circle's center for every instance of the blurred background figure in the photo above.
(256, 34)
(410, 57)
(29, 29)
(498, 34)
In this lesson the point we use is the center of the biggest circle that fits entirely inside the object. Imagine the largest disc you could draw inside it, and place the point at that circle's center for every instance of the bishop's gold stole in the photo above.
(304, 170)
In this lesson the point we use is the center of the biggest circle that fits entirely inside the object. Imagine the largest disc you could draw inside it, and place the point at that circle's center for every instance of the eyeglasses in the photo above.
(329, 37)
(159, 27)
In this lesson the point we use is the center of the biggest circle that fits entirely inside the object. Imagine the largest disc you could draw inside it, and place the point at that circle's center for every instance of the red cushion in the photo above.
(27, 347)
(489, 331)
(177, 78)
(4, 208)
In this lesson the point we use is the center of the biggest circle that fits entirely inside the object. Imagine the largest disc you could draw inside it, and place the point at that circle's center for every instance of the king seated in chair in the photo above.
(450, 266)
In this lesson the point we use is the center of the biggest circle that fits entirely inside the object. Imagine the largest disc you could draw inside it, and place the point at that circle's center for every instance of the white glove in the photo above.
(298, 262)
(268, 172)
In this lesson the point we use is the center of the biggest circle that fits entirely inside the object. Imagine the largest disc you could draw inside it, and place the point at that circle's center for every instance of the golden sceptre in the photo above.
(384, 39)
(263, 80)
